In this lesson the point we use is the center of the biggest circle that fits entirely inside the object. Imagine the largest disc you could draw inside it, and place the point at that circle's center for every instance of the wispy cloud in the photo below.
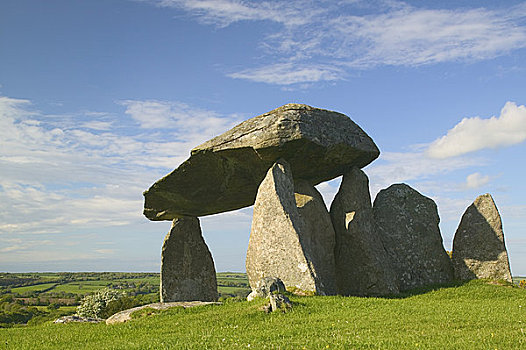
(477, 180)
(395, 167)
(60, 175)
(184, 121)
(473, 134)
(225, 12)
(325, 40)
(290, 73)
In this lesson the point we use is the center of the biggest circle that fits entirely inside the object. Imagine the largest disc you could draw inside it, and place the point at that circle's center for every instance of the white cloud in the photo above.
(61, 174)
(225, 12)
(325, 40)
(476, 180)
(428, 176)
(473, 134)
(289, 73)
(395, 167)
(413, 36)
(97, 125)
(186, 123)
(328, 190)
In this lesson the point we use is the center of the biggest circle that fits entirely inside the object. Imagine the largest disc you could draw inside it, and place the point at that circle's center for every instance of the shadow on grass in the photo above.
(426, 289)
(453, 284)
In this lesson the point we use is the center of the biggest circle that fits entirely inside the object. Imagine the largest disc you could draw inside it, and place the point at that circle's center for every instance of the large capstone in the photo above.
(292, 236)
(224, 173)
(362, 264)
(407, 223)
(187, 268)
(479, 250)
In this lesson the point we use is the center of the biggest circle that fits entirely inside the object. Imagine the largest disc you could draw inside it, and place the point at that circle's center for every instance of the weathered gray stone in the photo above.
(292, 237)
(317, 237)
(407, 223)
(279, 302)
(266, 286)
(479, 250)
(79, 319)
(224, 173)
(125, 315)
(362, 263)
(187, 268)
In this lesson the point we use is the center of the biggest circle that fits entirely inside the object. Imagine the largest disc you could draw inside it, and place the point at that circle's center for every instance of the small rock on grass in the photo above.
(76, 318)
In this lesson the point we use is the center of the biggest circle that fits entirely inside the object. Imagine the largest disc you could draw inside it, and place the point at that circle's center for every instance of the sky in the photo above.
(99, 99)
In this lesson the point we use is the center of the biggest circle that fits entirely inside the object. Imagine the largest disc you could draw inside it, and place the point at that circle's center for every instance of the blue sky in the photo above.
(98, 99)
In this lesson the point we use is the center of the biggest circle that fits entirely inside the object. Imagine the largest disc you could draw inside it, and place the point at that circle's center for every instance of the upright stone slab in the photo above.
(362, 263)
(407, 223)
(291, 237)
(479, 250)
(187, 268)
(317, 238)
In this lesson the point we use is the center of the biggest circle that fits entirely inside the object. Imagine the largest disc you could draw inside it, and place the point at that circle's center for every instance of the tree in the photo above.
(94, 305)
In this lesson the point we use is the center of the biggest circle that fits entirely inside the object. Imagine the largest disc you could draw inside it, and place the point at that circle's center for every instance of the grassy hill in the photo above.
(475, 315)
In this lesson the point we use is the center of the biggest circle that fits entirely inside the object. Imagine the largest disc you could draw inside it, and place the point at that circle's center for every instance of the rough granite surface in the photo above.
(265, 287)
(362, 263)
(125, 315)
(479, 250)
(187, 268)
(281, 242)
(224, 173)
(407, 224)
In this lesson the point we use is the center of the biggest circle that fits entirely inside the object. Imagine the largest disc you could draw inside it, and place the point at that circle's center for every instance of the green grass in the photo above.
(33, 288)
(476, 315)
(232, 290)
(85, 287)
(68, 309)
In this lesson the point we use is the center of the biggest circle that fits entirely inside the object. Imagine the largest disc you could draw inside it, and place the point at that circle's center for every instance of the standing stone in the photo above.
(407, 223)
(187, 268)
(317, 238)
(478, 247)
(362, 263)
(292, 236)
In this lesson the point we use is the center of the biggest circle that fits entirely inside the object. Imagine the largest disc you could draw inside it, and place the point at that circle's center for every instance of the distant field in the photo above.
(33, 288)
(69, 309)
(232, 284)
(80, 287)
(52, 285)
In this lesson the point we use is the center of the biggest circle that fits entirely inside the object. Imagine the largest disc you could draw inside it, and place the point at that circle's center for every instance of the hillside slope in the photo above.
(476, 315)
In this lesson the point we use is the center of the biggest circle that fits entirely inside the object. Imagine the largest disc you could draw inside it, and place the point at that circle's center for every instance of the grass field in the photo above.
(46, 285)
(81, 287)
(476, 315)
(33, 288)
(68, 309)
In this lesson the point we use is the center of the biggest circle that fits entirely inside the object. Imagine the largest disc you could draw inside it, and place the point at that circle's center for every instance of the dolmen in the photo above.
(273, 161)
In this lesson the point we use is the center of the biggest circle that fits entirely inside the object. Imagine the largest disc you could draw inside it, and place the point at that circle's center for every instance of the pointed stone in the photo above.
(187, 268)
(362, 263)
(292, 236)
(407, 223)
(317, 238)
(479, 250)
